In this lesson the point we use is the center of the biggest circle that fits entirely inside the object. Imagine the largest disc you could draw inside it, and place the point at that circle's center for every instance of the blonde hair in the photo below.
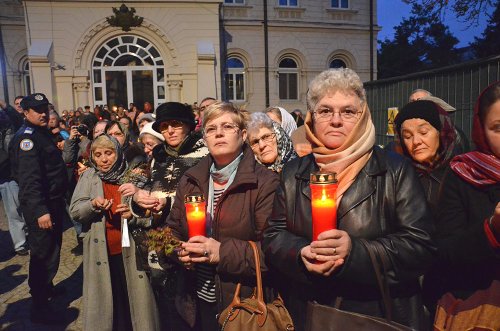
(332, 80)
(215, 110)
(102, 141)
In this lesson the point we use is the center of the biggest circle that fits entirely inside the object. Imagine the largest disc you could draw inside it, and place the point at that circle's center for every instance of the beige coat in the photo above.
(97, 294)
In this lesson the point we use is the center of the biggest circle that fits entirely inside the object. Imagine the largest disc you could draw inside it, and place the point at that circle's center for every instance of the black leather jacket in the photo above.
(385, 203)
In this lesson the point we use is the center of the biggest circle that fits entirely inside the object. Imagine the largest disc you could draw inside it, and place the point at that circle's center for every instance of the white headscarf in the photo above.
(287, 121)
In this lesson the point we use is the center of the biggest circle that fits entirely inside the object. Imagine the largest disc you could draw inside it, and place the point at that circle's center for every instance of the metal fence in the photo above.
(459, 85)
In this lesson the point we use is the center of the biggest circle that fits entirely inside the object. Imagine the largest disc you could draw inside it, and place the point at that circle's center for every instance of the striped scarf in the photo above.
(477, 168)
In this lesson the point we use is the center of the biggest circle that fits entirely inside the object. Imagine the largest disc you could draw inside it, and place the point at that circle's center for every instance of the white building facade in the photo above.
(182, 51)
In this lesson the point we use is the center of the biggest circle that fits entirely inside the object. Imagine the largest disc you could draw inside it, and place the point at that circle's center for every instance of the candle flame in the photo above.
(323, 195)
(196, 209)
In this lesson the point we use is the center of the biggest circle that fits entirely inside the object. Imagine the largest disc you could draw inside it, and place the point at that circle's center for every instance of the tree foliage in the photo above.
(489, 42)
(467, 10)
(420, 42)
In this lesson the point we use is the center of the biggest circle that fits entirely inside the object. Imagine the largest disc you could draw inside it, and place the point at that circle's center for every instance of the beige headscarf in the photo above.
(347, 160)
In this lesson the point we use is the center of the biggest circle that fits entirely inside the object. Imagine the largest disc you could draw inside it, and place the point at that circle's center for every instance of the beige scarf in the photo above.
(347, 160)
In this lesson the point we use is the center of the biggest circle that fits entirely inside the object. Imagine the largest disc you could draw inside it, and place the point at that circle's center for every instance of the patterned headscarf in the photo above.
(448, 136)
(285, 149)
(117, 171)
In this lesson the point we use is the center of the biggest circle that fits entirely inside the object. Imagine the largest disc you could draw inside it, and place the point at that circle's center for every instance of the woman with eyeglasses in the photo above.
(239, 193)
(269, 142)
(379, 199)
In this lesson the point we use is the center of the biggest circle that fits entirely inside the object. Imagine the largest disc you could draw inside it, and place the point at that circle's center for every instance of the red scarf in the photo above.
(480, 168)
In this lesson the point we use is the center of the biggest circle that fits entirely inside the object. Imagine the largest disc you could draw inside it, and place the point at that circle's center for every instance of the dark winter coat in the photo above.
(466, 260)
(240, 216)
(385, 203)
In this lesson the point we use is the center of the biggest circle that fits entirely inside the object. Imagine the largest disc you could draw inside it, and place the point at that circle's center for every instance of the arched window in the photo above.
(288, 79)
(128, 69)
(235, 79)
(337, 63)
(26, 78)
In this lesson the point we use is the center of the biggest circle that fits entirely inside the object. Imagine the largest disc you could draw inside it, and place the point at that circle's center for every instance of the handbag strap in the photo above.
(375, 250)
(262, 312)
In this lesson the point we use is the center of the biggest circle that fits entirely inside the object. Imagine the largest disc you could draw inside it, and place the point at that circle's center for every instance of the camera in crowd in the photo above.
(82, 129)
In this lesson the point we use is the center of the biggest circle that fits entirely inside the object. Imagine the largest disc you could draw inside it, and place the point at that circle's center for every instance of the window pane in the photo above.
(97, 76)
(127, 39)
(288, 63)
(283, 2)
(338, 64)
(229, 87)
(293, 3)
(240, 87)
(335, 3)
(344, 3)
(112, 43)
(234, 63)
(161, 92)
(283, 86)
(142, 42)
(292, 81)
(160, 74)
(128, 60)
(98, 93)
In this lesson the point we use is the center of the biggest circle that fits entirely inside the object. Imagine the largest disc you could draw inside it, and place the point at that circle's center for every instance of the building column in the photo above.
(81, 87)
(174, 90)
(207, 79)
(40, 57)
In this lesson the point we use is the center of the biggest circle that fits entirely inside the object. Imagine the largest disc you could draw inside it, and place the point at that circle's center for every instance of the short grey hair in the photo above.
(332, 80)
(259, 120)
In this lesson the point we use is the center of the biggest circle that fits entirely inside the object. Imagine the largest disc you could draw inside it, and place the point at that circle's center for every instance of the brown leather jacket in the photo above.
(385, 203)
(241, 215)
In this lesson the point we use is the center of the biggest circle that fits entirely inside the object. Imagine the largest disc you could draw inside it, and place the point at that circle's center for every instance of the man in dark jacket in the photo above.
(8, 187)
(41, 173)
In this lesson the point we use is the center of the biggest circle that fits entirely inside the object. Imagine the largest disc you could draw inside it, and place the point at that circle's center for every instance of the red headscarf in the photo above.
(481, 167)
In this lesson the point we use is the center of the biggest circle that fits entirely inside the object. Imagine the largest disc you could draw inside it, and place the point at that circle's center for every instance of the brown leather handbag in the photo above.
(326, 318)
(253, 314)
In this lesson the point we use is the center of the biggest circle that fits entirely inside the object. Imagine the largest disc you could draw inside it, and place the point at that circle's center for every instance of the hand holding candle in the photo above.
(195, 215)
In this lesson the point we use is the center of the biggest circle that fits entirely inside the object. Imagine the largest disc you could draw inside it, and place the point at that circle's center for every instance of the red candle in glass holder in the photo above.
(195, 214)
(323, 204)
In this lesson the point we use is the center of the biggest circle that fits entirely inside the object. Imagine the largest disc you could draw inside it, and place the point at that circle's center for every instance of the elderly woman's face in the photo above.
(224, 139)
(264, 145)
(333, 130)
(492, 128)
(421, 139)
(104, 158)
(149, 143)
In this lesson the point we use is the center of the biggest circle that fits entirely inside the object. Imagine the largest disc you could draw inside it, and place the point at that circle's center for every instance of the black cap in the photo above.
(423, 109)
(174, 111)
(34, 101)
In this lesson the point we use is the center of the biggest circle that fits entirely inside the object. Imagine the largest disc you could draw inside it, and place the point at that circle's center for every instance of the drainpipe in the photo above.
(371, 40)
(266, 55)
(3, 59)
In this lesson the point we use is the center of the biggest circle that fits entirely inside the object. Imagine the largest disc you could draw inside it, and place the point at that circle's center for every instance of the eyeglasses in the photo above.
(176, 125)
(227, 128)
(326, 114)
(267, 138)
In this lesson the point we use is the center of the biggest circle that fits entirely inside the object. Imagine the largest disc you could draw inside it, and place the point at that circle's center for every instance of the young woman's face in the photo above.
(115, 131)
(492, 128)
(421, 139)
(104, 158)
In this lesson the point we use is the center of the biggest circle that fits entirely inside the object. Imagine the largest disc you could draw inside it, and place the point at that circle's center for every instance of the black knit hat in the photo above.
(423, 109)
(174, 111)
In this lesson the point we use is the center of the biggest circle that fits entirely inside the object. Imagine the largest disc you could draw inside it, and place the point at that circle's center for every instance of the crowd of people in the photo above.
(429, 202)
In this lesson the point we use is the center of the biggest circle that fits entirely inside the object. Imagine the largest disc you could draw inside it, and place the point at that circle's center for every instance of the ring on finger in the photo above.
(205, 253)
(334, 250)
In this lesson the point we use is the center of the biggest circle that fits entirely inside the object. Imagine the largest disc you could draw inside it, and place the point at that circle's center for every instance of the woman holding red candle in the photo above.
(116, 296)
(378, 198)
(239, 195)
